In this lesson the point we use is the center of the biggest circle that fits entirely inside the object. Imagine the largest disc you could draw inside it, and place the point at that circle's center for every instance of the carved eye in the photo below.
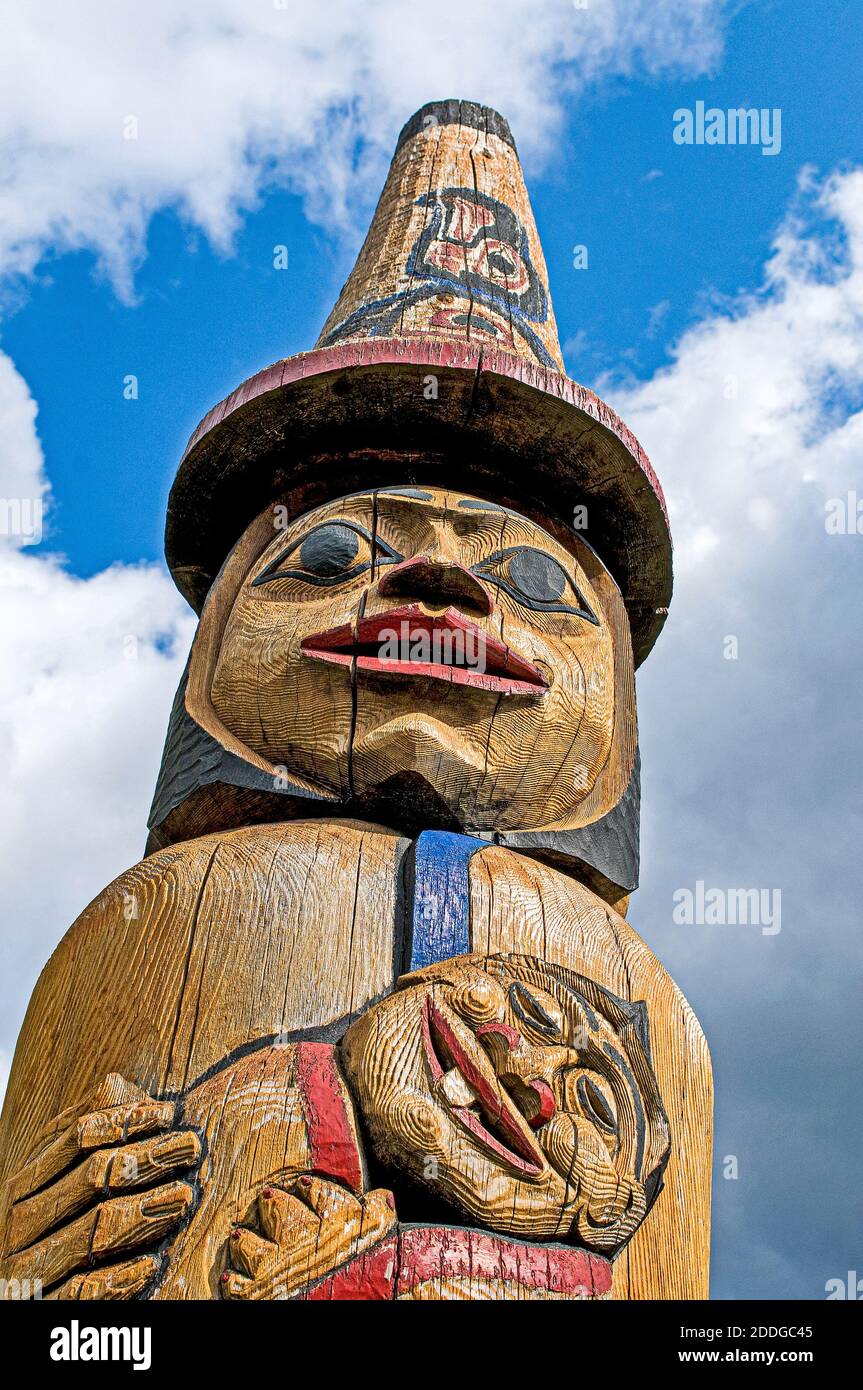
(536, 580)
(331, 553)
(596, 1104)
(532, 1014)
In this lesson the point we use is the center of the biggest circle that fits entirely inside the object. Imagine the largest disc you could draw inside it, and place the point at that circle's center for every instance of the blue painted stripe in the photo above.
(440, 919)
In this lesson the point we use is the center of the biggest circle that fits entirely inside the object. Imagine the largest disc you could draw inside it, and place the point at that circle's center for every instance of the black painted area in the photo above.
(537, 575)
(456, 112)
(610, 846)
(192, 760)
(415, 493)
(326, 554)
(535, 580)
(330, 550)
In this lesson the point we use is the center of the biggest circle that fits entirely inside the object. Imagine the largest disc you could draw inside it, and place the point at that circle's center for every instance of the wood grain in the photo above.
(372, 972)
(290, 931)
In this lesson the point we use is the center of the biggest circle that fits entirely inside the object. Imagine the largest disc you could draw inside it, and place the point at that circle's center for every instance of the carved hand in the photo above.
(304, 1234)
(89, 1196)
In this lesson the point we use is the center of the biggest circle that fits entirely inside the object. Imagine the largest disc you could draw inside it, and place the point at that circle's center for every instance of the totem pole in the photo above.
(368, 1020)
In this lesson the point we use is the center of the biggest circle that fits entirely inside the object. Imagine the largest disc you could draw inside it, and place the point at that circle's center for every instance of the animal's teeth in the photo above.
(456, 1089)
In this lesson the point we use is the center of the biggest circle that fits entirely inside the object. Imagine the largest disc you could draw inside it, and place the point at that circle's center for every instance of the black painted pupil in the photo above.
(329, 551)
(536, 575)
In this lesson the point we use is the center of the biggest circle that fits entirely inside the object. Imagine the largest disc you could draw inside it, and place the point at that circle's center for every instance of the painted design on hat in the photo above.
(472, 248)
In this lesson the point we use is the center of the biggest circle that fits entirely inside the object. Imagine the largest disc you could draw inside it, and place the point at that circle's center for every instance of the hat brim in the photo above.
(385, 411)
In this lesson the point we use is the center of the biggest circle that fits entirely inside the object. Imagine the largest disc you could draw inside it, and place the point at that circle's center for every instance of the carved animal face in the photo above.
(416, 631)
(518, 1092)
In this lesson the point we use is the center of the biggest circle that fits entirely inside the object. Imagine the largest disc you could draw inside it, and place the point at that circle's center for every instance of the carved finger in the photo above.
(236, 1285)
(114, 1281)
(249, 1253)
(124, 1122)
(325, 1198)
(379, 1215)
(141, 1218)
(56, 1256)
(284, 1218)
(107, 1170)
(111, 1227)
(91, 1131)
(113, 1090)
(349, 1221)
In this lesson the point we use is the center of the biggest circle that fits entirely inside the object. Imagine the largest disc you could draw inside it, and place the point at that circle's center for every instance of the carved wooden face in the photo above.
(521, 1094)
(424, 632)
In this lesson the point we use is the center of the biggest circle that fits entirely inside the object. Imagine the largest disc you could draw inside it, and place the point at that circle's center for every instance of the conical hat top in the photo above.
(439, 364)
(453, 250)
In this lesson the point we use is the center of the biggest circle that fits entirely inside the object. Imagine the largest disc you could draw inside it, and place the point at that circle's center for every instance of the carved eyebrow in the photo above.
(410, 493)
(475, 505)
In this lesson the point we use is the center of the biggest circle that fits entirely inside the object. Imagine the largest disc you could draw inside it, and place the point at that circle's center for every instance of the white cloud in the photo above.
(752, 768)
(229, 96)
(88, 673)
(22, 477)
(88, 668)
(753, 428)
(753, 765)
(749, 426)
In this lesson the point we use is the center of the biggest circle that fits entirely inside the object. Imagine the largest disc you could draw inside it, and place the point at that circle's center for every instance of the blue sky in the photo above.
(704, 262)
(664, 226)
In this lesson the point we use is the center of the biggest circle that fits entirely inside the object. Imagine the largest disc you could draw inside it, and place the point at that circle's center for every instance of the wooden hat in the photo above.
(440, 364)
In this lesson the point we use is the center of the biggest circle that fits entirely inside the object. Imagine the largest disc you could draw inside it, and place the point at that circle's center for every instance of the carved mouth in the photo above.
(465, 1083)
(444, 646)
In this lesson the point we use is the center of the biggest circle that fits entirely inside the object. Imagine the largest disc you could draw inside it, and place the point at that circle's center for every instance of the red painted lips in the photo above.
(407, 641)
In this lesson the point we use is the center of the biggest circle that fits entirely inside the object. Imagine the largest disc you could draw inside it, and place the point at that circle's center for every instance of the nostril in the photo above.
(440, 581)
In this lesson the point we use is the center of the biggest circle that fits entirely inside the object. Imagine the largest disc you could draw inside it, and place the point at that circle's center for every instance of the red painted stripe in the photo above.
(421, 1254)
(333, 1145)
(368, 1278)
(441, 1252)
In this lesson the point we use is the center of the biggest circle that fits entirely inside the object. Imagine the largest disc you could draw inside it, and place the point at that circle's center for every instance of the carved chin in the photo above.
(413, 742)
(459, 773)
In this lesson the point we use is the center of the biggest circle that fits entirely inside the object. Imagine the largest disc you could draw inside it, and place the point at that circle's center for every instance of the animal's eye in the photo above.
(331, 553)
(596, 1103)
(532, 1014)
(536, 580)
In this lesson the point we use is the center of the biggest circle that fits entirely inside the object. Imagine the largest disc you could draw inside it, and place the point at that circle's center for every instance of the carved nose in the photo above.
(438, 582)
(525, 1071)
